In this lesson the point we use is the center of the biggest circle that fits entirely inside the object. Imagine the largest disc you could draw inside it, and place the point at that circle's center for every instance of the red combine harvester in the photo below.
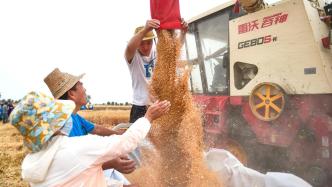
(262, 76)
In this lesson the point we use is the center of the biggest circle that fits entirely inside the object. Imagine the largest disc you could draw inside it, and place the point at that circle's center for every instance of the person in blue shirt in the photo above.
(69, 87)
(5, 113)
(0, 111)
(81, 127)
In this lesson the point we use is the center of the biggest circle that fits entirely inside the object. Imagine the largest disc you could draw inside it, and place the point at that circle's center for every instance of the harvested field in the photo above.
(11, 155)
(108, 118)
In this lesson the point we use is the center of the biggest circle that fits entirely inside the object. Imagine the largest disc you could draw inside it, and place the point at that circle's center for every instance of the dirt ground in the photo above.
(12, 153)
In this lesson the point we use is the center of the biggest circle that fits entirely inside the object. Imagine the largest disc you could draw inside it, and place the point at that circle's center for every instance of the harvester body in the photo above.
(263, 81)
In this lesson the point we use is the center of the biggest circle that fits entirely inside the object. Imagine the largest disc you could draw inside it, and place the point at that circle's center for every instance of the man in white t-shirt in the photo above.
(141, 56)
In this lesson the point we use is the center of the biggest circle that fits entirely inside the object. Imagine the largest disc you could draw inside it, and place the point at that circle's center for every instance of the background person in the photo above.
(140, 55)
(5, 113)
(0, 111)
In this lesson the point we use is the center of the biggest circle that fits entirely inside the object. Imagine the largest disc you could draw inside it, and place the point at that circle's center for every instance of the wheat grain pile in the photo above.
(178, 135)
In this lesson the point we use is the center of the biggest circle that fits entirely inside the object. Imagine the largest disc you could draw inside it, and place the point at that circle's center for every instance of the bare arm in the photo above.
(155, 111)
(103, 131)
(137, 38)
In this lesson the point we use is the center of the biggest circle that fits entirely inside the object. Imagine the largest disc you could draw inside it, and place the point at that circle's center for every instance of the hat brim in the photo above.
(71, 83)
(148, 38)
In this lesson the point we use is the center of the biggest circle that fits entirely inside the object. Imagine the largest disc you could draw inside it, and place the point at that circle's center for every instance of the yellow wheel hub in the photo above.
(267, 101)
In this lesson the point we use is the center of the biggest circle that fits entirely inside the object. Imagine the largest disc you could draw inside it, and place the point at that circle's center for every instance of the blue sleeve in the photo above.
(87, 125)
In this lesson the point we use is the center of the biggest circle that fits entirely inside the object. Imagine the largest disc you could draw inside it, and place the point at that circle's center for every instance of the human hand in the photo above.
(157, 109)
(152, 24)
(184, 25)
(121, 131)
(123, 164)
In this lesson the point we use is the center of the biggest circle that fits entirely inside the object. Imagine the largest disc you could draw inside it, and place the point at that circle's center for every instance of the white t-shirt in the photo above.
(141, 69)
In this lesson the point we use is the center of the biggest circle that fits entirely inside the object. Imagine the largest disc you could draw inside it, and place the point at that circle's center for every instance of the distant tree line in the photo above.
(116, 103)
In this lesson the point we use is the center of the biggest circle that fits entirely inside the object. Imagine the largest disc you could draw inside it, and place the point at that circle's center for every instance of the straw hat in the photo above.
(59, 82)
(37, 117)
(148, 36)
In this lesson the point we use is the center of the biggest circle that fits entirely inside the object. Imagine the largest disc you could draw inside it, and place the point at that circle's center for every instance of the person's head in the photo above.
(38, 117)
(146, 43)
(66, 86)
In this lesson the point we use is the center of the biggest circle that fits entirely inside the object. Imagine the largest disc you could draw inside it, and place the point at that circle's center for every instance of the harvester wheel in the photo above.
(267, 101)
(316, 176)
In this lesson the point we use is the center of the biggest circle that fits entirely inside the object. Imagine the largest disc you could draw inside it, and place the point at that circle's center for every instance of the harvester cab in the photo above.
(262, 76)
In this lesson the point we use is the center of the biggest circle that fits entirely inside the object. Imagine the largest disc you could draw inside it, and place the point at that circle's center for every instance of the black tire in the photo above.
(239, 130)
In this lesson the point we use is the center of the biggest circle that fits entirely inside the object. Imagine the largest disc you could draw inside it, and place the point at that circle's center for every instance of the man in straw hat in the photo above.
(59, 160)
(141, 56)
(69, 87)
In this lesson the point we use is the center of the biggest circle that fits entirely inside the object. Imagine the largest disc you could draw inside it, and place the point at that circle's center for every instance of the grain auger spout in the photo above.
(251, 6)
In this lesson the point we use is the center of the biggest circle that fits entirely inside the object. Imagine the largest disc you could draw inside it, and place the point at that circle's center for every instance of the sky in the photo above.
(77, 36)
